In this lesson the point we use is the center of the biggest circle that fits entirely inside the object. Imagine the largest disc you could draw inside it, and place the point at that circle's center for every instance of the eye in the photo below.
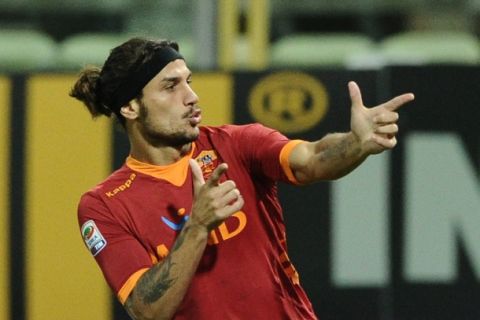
(171, 87)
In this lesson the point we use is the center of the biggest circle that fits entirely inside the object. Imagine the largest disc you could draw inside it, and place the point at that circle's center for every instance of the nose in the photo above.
(191, 98)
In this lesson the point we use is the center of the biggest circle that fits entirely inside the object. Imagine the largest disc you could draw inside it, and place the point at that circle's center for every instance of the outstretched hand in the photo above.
(214, 201)
(375, 127)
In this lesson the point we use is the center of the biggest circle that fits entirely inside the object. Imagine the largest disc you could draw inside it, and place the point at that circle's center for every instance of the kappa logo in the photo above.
(93, 238)
(122, 187)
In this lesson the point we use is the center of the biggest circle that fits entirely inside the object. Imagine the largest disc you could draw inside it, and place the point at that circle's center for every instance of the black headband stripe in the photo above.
(134, 84)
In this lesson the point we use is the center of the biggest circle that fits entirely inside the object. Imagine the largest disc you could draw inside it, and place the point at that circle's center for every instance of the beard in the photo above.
(158, 138)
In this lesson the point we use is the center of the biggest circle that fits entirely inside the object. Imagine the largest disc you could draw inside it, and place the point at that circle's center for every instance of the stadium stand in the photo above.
(74, 33)
(309, 50)
(86, 48)
(431, 47)
(93, 48)
(26, 50)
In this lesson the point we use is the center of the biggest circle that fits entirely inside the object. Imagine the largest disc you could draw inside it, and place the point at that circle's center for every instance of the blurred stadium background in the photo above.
(396, 240)
(63, 35)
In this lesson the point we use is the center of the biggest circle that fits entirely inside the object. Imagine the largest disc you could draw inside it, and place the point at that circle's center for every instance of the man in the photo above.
(191, 227)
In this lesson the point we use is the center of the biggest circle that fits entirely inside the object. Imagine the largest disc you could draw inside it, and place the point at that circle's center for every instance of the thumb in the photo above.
(355, 94)
(197, 176)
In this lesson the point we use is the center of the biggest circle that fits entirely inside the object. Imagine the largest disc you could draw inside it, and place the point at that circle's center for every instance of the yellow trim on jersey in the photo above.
(128, 286)
(175, 173)
(285, 163)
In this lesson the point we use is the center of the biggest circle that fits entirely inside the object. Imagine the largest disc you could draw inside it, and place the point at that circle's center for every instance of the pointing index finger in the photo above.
(217, 174)
(398, 101)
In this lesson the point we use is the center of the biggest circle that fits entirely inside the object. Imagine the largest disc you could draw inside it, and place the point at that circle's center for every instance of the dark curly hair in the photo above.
(97, 87)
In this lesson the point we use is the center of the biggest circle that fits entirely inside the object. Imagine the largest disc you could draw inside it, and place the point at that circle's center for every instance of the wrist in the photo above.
(357, 145)
(196, 229)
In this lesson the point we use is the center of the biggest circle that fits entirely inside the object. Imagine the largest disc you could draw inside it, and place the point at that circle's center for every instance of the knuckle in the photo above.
(216, 204)
(230, 184)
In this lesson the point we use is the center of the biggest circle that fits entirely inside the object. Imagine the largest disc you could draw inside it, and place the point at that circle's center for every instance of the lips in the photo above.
(195, 117)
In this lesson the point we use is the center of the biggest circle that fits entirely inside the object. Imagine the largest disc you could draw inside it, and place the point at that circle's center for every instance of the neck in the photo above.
(160, 156)
(155, 151)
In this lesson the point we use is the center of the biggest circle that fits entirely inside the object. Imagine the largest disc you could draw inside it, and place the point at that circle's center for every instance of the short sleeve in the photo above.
(120, 256)
(266, 151)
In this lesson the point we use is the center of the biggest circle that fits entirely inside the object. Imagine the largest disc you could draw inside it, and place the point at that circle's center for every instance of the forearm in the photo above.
(373, 130)
(330, 158)
(161, 289)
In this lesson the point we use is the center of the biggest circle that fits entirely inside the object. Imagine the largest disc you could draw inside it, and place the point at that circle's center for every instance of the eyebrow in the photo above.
(175, 78)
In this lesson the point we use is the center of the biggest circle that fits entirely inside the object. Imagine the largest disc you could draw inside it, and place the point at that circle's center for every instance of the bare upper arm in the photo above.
(300, 159)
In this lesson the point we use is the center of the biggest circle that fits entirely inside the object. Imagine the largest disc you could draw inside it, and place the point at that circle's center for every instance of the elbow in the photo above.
(331, 176)
(305, 178)
(139, 311)
(142, 313)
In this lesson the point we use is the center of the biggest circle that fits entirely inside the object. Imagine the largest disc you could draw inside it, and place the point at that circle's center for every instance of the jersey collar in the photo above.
(175, 173)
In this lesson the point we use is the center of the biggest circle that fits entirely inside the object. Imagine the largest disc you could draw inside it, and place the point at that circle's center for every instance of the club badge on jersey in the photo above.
(208, 161)
(93, 238)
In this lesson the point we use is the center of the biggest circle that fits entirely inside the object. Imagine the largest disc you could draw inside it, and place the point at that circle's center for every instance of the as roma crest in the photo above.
(208, 161)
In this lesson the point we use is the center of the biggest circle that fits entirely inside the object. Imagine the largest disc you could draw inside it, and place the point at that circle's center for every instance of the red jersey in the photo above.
(130, 221)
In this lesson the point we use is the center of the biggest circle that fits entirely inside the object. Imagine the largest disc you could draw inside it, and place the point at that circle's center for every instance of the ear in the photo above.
(131, 110)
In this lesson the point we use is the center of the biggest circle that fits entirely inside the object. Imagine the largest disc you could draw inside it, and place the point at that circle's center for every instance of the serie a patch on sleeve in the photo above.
(93, 238)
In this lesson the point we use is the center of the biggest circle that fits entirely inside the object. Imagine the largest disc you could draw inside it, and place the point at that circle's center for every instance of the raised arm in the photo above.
(160, 290)
(373, 130)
